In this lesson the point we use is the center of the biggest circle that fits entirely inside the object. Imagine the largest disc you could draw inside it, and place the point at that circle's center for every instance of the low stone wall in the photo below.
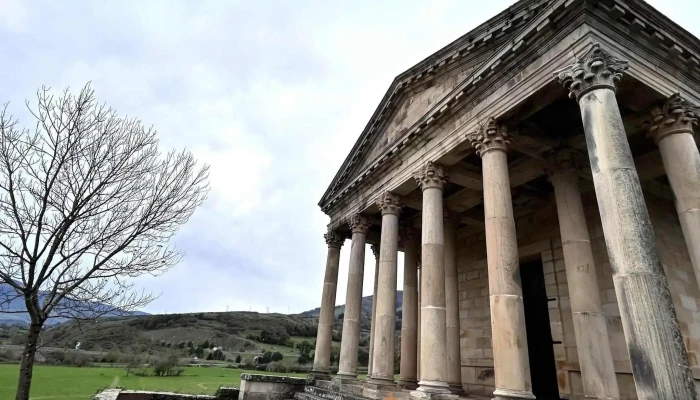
(269, 387)
(224, 393)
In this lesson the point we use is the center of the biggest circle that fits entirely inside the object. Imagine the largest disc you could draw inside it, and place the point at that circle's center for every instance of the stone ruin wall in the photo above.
(538, 236)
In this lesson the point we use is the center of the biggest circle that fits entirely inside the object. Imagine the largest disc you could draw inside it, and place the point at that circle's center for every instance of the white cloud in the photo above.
(271, 94)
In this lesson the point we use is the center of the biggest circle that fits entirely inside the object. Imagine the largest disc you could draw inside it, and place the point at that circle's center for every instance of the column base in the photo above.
(345, 378)
(408, 384)
(320, 375)
(435, 387)
(380, 389)
(380, 383)
(507, 394)
(456, 388)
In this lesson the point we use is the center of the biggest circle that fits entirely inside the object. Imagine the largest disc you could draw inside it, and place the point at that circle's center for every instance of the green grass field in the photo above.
(70, 383)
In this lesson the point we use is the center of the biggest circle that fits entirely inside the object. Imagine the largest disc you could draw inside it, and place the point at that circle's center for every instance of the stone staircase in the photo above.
(329, 390)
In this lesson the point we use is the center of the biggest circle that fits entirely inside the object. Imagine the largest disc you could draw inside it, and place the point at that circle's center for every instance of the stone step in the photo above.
(328, 385)
(327, 394)
(305, 396)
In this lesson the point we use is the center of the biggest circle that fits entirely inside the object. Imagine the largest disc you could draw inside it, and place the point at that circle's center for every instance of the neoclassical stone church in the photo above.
(541, 177)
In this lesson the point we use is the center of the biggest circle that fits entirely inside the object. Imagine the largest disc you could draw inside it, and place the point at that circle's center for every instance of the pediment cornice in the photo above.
(660, 35)
(485, 35)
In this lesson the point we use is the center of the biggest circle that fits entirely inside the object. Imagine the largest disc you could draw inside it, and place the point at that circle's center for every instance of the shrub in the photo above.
(168, 366)
(275, 367)
(238, 359)
(276, 356)
(9, 355)
(261, 367)
(303, 359)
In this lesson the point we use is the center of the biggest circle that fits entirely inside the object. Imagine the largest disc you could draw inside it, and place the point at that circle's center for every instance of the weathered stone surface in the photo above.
(322, 355)
(383, 346)
(409, 319)
(433, 373)
(269, 387)
(592, 341)
(347, 367)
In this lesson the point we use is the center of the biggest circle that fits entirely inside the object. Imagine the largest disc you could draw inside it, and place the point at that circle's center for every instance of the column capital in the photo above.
(389, 203)
(489, 136)
(430, 175)
(565, 162)
(674, 115)
(334, 239)
(594, 70)
(358, 223)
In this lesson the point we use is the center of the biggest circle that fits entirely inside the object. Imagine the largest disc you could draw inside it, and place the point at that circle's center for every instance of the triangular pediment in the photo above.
(426, 84)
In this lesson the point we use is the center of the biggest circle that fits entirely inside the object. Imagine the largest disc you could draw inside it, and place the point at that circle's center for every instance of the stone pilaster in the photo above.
(383, 355)
(409, 320)
(433, 379)
(347, 367)
(453, 355)
(671, 126)
(322, 355)
(375, 251)
(590, 328)
(511, 363)
(657, 353)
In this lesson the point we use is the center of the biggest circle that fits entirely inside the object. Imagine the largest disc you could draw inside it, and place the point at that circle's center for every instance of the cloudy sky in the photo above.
(271, 94)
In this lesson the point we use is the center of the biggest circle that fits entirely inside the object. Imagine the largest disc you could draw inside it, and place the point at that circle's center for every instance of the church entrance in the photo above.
(539, 334)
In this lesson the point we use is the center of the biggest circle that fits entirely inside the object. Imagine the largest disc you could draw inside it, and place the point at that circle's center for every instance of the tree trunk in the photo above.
(26, 368)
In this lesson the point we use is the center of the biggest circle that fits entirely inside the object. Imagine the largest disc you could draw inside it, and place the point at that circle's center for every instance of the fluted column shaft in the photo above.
(453, 357)
(322, 354)
(654, 340)
(511, 363)
(347, 367)
(409, 320)
(375, 250)
(590, 328)
(672, 129)
(383, 356)
(433, 376)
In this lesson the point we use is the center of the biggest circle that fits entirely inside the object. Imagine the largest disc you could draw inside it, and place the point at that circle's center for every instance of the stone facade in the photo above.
(539, 238)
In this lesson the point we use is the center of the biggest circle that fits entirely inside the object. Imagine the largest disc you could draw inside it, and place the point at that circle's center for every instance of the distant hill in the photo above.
(149, 333)
(16, 312)
(366, 306)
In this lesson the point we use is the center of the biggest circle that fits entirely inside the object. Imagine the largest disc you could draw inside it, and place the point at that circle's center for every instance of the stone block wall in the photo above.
(539, 239)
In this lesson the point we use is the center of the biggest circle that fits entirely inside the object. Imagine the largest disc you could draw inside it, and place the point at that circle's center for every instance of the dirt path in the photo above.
(115, 381)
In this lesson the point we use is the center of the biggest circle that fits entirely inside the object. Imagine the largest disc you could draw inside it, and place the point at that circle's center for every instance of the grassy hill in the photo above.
(247, 334)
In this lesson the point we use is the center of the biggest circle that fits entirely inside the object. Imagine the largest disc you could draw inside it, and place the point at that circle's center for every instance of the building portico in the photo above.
(542, 178)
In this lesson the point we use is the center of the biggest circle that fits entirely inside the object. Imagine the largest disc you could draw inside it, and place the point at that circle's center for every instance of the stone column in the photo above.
(590, 328)
(347, 367)
(671, 127)
(420, 282)
(375, 251)
(322, 354)
(383, 356)
(654, 341)
(433, 379)
(510, 358)
(453, 356)
(409, 320)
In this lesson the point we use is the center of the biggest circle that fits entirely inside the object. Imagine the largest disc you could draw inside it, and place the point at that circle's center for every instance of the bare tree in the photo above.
(86, 203)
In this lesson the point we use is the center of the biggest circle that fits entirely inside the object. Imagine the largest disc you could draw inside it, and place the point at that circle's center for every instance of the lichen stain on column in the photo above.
(657, 353)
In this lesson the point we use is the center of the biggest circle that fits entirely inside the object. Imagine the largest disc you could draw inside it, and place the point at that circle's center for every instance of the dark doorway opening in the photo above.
(543, 369)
